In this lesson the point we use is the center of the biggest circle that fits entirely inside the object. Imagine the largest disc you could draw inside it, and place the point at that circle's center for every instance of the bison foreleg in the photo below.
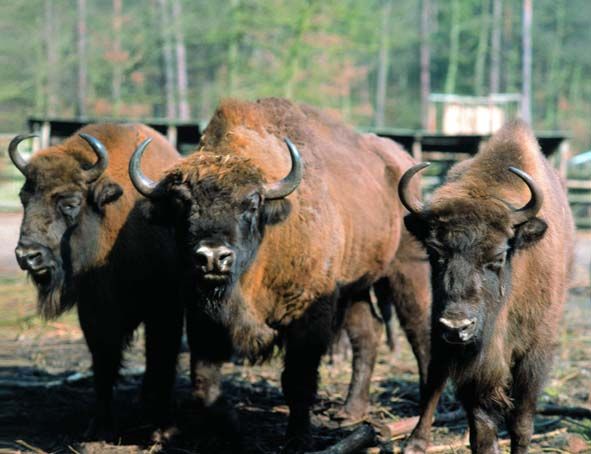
(364, 331)
(163, 336)
(307, 340)
(421, 435)
(528, 378)
(106, 360)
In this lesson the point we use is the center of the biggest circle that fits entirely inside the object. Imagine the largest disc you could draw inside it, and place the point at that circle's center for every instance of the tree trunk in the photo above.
(526, 78)
(454, 48)
(293, 55)
(52, 86)
(82, 59)
(232, 61)
(167, 59)
(116, 60)
(181, 62)
(384, 63)
(554, 81)
(482, 48)
(495, 55)
(425, 63)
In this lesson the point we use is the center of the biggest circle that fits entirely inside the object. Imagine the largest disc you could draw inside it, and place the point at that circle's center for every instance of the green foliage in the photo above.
(325, 53)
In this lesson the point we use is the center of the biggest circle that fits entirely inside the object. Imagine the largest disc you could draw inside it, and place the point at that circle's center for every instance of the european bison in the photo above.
(264, 269)
(84, 243)
(499, 280)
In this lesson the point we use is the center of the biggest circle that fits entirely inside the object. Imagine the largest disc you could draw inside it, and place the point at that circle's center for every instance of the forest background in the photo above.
(373, 62)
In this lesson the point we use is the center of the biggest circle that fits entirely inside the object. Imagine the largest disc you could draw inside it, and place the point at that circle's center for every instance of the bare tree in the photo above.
(526, 78)
(116, 56)
(425, 62)
(181, 62)
(167, 60)
(383, 64)
(482, 48)
(454, 48)
(495, 55)
(82, 59)
(52, 85)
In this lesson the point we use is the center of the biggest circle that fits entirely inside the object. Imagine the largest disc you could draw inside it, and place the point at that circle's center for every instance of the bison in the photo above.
(85, 243)
(272, 259)
(499, 234)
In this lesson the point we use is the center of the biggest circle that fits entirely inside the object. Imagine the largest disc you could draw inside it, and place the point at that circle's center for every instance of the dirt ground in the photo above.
(46, 391)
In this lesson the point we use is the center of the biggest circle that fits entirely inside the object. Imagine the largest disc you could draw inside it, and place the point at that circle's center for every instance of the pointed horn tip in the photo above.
(142, 183)
(412, 206)
(13, 153)
(290, 183)
(537, 197)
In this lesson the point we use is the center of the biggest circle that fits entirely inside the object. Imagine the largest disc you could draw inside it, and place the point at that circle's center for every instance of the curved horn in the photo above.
(142, 183)
(103, 158)
(15, 156)
(535, 202)
(415, 206)
(283, 188)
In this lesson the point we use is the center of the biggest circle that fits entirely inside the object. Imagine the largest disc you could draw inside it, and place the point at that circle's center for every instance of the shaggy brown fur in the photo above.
(105, 258)
(300, 261)
(510, 279)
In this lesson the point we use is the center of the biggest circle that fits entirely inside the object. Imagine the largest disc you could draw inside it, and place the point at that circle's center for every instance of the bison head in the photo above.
(471, 241)
(220, 206)
(63, 197)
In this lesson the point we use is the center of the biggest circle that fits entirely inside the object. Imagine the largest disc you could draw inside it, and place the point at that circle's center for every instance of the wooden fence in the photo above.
(442, 150)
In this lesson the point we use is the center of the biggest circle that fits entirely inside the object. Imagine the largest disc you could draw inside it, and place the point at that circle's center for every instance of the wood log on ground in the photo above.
(362, 437)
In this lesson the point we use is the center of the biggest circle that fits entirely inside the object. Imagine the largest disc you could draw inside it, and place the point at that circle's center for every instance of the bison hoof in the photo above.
(164, 435)
(100, 430)
(349, 416)
(415, 446)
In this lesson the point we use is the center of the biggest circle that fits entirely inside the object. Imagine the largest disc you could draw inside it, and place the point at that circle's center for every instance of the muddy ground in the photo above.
(46, 394)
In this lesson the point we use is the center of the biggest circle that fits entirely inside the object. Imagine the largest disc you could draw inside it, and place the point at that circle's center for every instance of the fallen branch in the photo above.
(402, 427)
(572, 412)
(362, 437)
(30, 447)
(72, 378)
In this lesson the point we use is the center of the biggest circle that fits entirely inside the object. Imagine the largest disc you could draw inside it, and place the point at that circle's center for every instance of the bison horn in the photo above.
(103, 158)
(283, 188)
(413, 206)
(16, 158)
(142, 183)
(535, 202)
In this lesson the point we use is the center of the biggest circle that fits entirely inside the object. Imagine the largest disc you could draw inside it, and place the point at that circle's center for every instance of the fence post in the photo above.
(564, 156)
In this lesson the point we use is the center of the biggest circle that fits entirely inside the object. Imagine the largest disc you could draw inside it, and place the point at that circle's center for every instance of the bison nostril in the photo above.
(204, 257)
(225, 260)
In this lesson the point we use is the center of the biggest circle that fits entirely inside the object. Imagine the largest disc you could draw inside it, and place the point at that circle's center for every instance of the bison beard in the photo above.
(248, 337)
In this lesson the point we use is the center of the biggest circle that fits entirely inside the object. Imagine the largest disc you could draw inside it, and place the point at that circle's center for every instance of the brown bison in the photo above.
(85, 243)
(499, 235)
(263, 268)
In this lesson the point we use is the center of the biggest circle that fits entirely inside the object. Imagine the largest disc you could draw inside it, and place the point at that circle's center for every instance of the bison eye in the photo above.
(69, 206)
(497, 262)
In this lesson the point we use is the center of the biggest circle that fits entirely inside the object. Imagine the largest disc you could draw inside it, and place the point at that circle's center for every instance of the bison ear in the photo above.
(276, 211)
(417, 225)
(528, 233)
(104, 192)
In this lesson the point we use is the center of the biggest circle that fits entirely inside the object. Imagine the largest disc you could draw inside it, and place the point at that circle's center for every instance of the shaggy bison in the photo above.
(274, 259)
(84, 243)
(499, 235)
